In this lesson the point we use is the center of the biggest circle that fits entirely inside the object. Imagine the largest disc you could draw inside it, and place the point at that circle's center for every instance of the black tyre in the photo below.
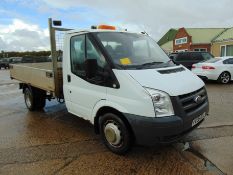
(115, 133)
(224, 78)
(34, 98)
(29, 99)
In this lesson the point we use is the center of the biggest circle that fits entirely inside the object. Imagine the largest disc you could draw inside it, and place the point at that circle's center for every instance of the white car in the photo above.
(220, 69)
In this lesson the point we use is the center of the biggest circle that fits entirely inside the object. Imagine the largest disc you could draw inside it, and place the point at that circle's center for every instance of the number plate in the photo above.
(198, 119)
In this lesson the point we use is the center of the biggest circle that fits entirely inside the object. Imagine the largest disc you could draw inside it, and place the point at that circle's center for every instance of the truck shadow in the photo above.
(212, 82)
(55, 125)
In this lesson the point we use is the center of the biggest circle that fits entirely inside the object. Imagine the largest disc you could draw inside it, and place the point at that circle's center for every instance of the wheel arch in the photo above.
(226, 72)
(23, 86)
(108, 109)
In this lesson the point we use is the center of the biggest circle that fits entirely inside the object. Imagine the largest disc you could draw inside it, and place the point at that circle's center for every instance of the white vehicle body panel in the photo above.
(81, 96)
(84, 99)
(174, 84)
(213, 74)
(131, 97)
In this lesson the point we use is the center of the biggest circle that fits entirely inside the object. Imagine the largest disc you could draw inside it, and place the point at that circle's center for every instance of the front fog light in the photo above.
(162, 103)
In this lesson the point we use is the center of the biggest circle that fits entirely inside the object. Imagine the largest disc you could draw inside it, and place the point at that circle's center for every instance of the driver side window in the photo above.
(228, 61)
(77, 54)
(81, 49)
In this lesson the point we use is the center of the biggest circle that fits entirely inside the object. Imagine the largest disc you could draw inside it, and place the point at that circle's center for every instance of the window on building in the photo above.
(183, 50)
(181, 41)
(200, 49)
(227, 50)
(223, 48)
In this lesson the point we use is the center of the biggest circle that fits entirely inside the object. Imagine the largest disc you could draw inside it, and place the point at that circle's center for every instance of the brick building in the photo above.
(190, 39)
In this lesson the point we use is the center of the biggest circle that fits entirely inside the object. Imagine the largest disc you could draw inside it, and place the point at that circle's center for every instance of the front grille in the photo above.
(188, 100)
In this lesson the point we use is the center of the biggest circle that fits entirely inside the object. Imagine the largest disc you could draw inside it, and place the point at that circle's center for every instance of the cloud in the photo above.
(23, 36)
(153, 16)
(156, 16)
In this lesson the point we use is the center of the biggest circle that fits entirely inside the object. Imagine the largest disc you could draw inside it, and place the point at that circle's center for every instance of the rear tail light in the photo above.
(208, 67)
(193, 67)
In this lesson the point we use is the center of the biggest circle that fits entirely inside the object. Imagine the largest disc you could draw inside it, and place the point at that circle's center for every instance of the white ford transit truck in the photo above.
(122, 82)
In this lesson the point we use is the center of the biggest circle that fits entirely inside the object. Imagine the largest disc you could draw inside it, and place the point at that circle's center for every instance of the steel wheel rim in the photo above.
(225, 77)
(112, 134)
(28, 99)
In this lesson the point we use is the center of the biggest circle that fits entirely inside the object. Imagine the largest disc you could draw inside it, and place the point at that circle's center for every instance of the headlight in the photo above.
(162, 103)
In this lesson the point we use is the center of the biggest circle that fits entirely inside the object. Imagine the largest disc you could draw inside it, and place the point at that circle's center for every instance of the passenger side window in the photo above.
(81, 49)
(77, 54)
(183, 57)
(196, 56)
(228, 61)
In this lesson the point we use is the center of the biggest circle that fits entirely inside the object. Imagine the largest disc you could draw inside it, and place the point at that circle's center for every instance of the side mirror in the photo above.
(90, 66)
(171, 57)
(174, 61)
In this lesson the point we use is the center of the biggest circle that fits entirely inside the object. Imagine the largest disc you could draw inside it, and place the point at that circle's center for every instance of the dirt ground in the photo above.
(56, 142)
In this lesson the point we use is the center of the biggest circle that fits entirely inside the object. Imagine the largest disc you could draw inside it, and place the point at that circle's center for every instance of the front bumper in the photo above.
(150, 131)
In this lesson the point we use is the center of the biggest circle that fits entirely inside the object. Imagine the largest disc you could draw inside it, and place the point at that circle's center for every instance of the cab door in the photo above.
(81, 93)
(229, 66)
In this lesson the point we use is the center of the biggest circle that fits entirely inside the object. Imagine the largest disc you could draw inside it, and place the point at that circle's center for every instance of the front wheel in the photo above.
(115, 134)
(224, 78)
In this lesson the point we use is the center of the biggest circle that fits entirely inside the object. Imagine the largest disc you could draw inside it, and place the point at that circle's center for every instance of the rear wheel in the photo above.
(224, 78)
(115, 134)
(34, 98)
(28, 98)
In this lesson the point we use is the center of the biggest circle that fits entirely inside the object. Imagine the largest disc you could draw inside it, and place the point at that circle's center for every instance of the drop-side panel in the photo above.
(39, 75)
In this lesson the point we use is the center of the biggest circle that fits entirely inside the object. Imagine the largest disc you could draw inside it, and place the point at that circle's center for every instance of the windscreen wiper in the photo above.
(151, 63)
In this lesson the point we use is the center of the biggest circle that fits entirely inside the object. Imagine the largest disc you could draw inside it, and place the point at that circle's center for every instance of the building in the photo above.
(166, 42)
(189, 39)
(222, 45)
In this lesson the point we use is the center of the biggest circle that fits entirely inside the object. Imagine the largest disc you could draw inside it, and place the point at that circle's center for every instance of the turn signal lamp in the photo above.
(106, 27)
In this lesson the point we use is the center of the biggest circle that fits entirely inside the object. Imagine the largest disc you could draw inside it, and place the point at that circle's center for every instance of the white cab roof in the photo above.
(96, 30)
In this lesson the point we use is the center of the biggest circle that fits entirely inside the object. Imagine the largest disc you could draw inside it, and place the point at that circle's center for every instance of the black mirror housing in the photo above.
(90, 66)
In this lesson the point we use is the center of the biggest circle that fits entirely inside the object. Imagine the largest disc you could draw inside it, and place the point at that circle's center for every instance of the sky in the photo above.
(24, 23)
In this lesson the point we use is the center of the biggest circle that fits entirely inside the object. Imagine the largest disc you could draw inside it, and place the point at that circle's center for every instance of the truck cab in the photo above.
(128, 88)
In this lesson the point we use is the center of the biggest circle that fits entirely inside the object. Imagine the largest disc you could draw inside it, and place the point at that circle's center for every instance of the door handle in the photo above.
(68, 78)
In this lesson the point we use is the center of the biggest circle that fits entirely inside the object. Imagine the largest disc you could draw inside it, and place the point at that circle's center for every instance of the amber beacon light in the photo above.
(107, 27)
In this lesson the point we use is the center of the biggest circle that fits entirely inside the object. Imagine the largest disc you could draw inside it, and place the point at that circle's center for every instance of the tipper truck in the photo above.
(122, 82)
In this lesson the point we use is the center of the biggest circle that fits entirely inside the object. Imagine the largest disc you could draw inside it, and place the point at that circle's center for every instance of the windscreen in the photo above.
(207, 56)
(133, 50)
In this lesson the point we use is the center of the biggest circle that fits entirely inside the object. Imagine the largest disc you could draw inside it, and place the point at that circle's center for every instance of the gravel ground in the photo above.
(56, 142)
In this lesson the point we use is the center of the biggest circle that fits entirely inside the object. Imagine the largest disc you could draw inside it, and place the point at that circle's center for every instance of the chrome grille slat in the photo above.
(188, 102)
(201, 93)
